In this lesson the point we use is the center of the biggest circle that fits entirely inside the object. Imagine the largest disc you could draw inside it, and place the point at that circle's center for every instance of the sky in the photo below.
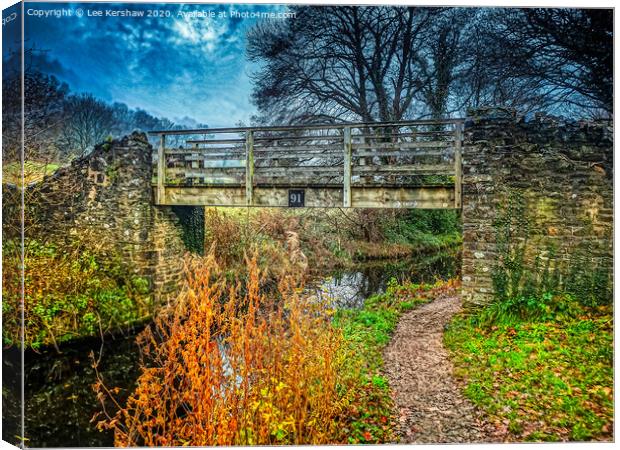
(172, 60)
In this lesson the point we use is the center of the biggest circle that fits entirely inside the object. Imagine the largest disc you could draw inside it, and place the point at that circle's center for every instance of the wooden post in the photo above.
(195, 163)
(249, 168)
(347, 168)
(161, 170)
(458, 165)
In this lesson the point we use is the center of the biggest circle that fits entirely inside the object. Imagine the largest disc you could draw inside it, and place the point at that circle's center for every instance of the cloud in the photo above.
(173, 66)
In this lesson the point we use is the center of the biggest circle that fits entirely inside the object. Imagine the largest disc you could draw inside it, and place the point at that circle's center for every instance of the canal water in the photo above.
(60, 402)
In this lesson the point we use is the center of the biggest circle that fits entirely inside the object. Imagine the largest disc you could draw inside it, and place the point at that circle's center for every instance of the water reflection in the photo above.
(349, 289)
(60, 401)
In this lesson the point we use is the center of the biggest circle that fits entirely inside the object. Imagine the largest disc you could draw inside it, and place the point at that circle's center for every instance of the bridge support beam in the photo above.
(161, 169)
(431, 197)
(249, 168)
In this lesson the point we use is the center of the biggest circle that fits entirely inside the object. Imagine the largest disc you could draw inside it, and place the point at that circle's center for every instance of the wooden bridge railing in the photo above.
(400, 164)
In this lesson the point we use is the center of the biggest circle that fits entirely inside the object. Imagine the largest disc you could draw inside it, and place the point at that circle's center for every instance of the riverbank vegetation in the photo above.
(320, 239)
(73, 289)
(70, 291)
(544, 378)
(230, 364)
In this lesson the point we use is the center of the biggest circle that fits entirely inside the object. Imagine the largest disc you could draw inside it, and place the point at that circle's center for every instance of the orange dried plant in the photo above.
(230, 365)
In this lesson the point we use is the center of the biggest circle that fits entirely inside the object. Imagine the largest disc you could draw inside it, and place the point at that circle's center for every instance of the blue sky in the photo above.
(172, 66)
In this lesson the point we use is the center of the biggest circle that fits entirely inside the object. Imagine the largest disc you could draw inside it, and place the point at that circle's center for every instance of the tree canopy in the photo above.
(392, 63)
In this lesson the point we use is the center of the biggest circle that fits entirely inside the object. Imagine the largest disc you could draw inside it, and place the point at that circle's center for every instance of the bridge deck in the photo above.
(413, 164)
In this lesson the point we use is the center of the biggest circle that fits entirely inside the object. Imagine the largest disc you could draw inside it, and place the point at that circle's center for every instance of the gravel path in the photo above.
(429, 404)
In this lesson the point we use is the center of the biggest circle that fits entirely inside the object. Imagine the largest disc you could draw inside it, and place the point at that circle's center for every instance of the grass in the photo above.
(367, 331)
(34, 171)
(388, 249)
(545, 379)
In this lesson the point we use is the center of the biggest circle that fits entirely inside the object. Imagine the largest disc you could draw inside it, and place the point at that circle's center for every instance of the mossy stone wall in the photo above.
(106, 197)
(564, 172)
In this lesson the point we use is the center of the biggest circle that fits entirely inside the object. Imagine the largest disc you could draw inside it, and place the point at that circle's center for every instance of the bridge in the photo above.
(406, 164)
(562, 169)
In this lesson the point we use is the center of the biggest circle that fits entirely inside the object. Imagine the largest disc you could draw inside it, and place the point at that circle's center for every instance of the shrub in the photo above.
(69, 291)
(229, 365)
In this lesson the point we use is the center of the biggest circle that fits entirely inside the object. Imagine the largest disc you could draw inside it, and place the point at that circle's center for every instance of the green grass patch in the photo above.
(33, 171)
(367, 331)
(546, 378)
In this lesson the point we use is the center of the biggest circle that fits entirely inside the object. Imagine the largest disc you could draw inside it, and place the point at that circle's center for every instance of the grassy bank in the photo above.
(547, 377)
(367, 331)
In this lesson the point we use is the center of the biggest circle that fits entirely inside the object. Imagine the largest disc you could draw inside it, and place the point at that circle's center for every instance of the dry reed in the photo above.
(229, 365)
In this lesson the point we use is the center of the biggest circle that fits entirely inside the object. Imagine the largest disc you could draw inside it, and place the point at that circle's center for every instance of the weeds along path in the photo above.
(429, 404)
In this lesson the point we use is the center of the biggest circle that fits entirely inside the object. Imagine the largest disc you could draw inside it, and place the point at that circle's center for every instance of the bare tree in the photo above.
(88, 122)
(560, 59)
(338, 63)
(443, 62)
(392, 63)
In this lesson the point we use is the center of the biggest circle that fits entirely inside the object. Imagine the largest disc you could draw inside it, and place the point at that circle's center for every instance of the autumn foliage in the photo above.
(228, 364)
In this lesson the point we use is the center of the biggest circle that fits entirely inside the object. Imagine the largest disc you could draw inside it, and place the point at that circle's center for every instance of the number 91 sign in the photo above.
(296, 198)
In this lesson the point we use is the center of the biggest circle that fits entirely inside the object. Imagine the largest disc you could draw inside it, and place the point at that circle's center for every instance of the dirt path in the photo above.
(429, 403)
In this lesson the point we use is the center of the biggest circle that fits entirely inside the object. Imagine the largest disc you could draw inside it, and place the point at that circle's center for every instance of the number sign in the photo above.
(296, 198)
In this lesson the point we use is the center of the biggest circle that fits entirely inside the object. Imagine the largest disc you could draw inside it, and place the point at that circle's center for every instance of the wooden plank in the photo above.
(422, 198)
(400, 124)
(161, 169)
(201, 172)
(347, 168)
(294, 171)
(312, 183)
(458, 167)
(393, 145)
(448, 133)
(223, 158)
(205, 180)
(249, 168)
(213, 157)
(316, 148)
(431, 197)
(275, 139)
(305, 155)
(207, 151)
(218, 149)
(224, 164)
(302, 148)
(404, 154)
(187, 156)
(206, 196)
(299, 181)
(407, 169)
(215, 141)
(301, 169)
(311, 154)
